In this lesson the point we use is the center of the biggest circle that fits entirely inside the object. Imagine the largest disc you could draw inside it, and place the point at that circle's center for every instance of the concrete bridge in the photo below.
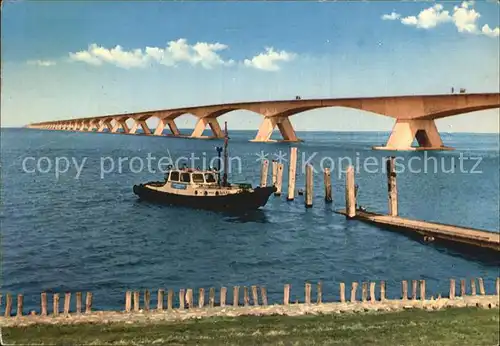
(414, 116)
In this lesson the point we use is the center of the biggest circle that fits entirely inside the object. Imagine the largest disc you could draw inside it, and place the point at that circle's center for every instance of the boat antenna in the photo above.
(226, 140)
(219, 151)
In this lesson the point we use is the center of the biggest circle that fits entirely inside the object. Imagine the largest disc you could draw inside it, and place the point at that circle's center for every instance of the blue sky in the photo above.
(60, 59)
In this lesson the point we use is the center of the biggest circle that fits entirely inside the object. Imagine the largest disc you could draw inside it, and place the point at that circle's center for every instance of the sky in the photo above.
(70, 59)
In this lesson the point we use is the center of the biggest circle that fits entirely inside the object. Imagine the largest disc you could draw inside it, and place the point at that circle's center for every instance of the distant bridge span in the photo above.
(414, 116)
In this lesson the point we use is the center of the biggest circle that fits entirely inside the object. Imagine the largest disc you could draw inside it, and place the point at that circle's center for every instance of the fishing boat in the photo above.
(205, 189)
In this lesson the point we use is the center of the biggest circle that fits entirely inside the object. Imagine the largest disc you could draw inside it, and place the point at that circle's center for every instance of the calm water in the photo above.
(91, 233)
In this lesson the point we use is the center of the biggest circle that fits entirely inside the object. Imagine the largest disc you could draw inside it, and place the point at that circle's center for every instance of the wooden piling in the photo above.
(182, 297)
(404, 290)
(263, 294)
(473, 286)
(350, 196)
(307, 292)
(201, 297)
(255, 295)
(497, 286)
(136, 301)
(319, 293)
(170, 299)
(159, 305)
(147, 300)
(246, 296)
(279, 179)
(128, 301)
(88, 303)
(263, 173)
(342, 292)
(382, 291)
(291, 173)
(274, 171)
(67, 302)
(236, 295)
(414, 289)
(43, 304)
(286, 294)
(223, 294)
(20, 304)
(452, 288)
(364, 291)
(189, 298)
(55, 304)
(481, 286)
(354, 288)
(422, 290)
(328, 185)
(309, 186)
(8, 305)
(211, 297)
(372, 292)
(391, 186)
(78, 302)
(462, 288)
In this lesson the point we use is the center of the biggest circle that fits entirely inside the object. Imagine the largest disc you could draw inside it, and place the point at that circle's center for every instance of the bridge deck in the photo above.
(438, 231)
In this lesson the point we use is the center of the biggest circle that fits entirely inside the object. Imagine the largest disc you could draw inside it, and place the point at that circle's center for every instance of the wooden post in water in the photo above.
(452, 288)
(364, 291)
(20, 301)
(391, 186)
(307, 292)
(55, 304)
(274, 171)
(319, 293)
(246, 297)
(422, 289)
(481, 286)
(462, 288)
(88, 303)
(354, 288)
(473, 286)
(372, 292)
(211, 297)
(350, 196)
(147, 299)
(328, 185)
(263, 294)
(128, 301)
(414, 289)
(309, 186)
(170, 299)
(67, 302)
(286, 294)
(497, 286)
(78, 302)
(404, 290)
(182, 295)
(201, 297)
(8, 305)
(223, 294)
(189, 298)
(136, 301)
(382, 291)
(263, 173)
(279, 179)
(291, 173)
(255, 295)
(159, 305)
(342, 292)
(236, 295)
(43, 303)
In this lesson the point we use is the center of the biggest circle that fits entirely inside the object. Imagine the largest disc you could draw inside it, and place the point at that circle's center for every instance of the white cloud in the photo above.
(392, 16)
(268, 60)
(44, 63)
(486, 30)
(464, 17)
(201, 53)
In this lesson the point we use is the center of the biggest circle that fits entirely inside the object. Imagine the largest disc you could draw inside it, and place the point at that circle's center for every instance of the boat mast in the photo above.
(226, 140)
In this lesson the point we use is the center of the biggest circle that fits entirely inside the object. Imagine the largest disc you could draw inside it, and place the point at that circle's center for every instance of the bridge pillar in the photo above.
(105, 124)
(269, 124)
(92, 124)
(171, 124)
(405, 132)
(120, 123)
(142, 124)
(201, 125)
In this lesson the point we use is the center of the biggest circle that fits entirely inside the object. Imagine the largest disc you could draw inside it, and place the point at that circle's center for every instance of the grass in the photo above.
(458, 326)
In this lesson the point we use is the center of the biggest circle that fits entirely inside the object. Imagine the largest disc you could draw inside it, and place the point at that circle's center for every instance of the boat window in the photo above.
(174, 176)
(186, 177)
(198, 178)
(209, 178)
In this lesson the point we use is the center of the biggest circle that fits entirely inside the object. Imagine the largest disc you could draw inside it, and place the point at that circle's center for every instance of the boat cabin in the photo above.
(190, 176)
